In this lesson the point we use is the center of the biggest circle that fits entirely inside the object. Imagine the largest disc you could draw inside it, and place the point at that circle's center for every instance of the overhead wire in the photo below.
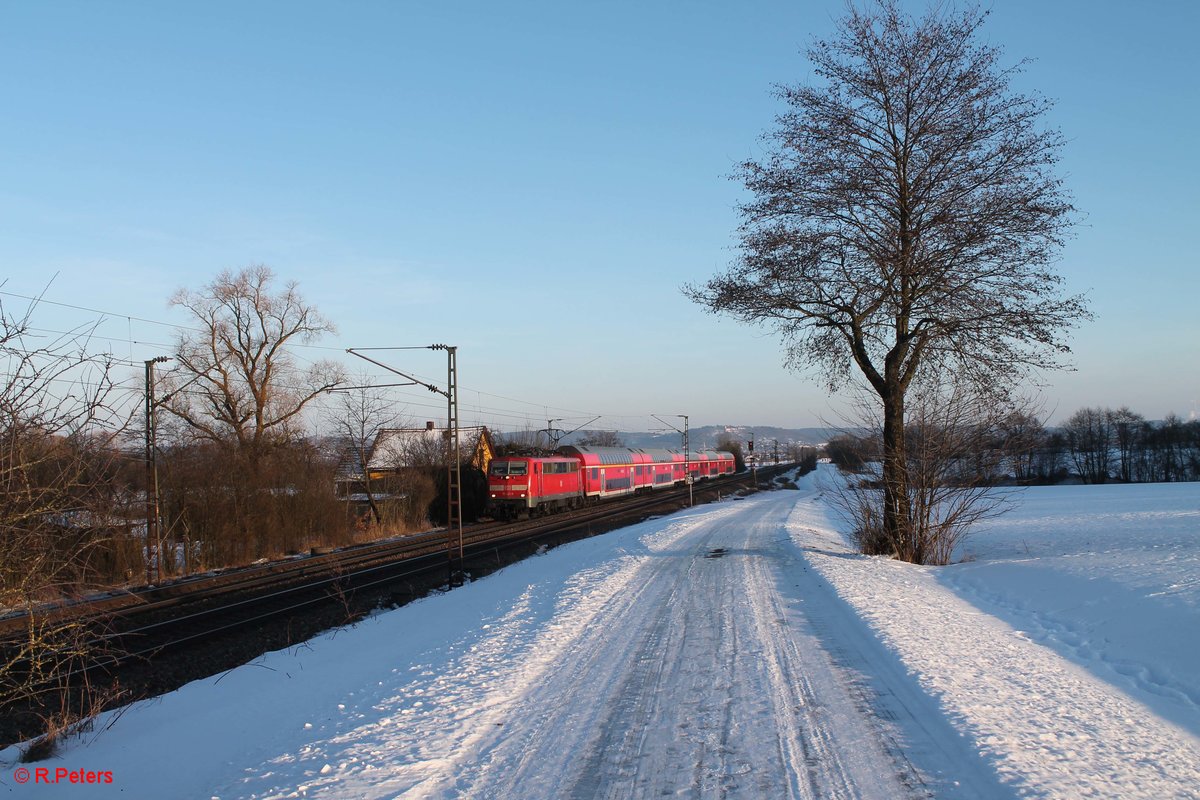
(481, 410)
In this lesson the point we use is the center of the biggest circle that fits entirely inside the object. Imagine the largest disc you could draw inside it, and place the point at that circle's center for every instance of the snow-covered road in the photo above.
(684, 664)
(736, 650)
(671, 670)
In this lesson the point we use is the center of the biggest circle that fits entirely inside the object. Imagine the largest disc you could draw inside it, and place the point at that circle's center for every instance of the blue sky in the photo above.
(533, 182)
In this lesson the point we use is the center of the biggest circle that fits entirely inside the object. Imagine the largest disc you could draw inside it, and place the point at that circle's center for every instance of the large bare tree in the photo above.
(904, 220)
(251, 485)
(246, 386)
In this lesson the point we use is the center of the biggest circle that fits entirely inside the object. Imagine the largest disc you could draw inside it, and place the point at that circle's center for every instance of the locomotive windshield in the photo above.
(507, 468)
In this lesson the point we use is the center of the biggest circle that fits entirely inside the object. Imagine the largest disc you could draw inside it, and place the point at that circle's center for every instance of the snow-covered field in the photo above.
(735, 650)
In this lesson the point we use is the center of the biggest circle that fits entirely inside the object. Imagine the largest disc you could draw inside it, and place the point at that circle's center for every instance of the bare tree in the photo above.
(251, 485)
(803, 455)
(1089, 440)
(522, 442)
(601, 439)
(57, 451)
(904, 222)
(248, 387)
(1021, 435)
(1181, 440)
(1127, 428)
(728, 444)
(1170, 450)
(1050, 460)
(361, 414)
(64, 529)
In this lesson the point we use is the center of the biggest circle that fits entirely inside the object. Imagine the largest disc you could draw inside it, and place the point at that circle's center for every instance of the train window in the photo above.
(517, 467)
(595, 474)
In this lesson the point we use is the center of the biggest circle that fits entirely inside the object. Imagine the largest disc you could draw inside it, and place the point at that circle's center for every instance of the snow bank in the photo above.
(1066, 648)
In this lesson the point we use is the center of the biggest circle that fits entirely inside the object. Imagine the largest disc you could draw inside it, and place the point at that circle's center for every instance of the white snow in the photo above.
(1067, 649)
(1061, 660)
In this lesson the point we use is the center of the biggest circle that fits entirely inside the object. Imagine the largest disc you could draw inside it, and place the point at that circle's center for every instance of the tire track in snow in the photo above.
(694, 684)
(631, 749)
(564, 718)
(840, 737)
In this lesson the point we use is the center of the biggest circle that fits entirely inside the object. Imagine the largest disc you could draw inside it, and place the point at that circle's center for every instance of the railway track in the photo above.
(154, 639)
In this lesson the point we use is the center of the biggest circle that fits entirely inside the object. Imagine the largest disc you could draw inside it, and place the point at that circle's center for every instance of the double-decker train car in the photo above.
(525, 484)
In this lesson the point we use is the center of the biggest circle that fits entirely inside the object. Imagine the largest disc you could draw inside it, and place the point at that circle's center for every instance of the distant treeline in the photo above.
(1106, 445)
(1094, 445)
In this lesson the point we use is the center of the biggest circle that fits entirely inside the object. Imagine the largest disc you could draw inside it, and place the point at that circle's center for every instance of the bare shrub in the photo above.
(850, 452)
(73, 710)
(63, 507)
(230, 510)
(954, 470)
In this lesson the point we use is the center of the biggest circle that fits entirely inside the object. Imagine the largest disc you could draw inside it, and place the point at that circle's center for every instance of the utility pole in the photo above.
(453, 462)
(753, 464)
(153, 548)
(687, 453)
(687, 459)
(554, 434)
(454, 525)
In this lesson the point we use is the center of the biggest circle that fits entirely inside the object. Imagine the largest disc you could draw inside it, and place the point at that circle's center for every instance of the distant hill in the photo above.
(705, 438)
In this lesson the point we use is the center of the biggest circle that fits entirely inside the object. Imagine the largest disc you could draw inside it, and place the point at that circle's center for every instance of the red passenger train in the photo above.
(525, 484)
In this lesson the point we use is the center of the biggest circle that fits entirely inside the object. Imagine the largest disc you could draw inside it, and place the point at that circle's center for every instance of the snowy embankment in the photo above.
(735, 650)
(1067, 645)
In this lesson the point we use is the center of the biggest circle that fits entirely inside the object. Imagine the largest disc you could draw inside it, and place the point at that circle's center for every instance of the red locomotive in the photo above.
(527, 484)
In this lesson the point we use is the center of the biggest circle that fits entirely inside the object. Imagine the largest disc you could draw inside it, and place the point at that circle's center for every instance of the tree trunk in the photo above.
(895, 538)
(371, 501)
